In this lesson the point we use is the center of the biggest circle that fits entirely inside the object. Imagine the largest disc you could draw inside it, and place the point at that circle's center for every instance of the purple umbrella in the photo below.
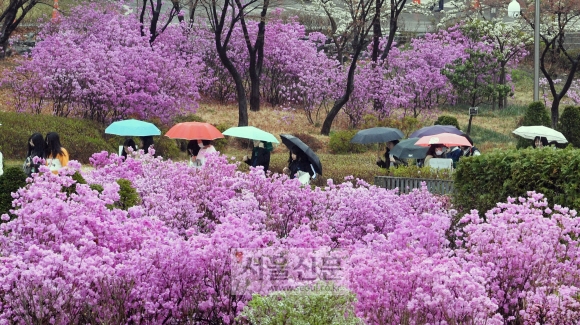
(435, 129)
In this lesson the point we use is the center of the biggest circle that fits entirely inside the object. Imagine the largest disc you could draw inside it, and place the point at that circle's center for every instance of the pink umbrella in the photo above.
(446, 139)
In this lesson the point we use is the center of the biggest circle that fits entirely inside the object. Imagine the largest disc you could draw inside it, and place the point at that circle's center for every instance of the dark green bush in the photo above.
(480, 182)
(12, 179)
(569, 125)
(79, 179)
(220, 144)
(340, 142)
(299, 307)
(128, 196)
(447, 120)
(536, 114)
(97, 187)
(81, 138)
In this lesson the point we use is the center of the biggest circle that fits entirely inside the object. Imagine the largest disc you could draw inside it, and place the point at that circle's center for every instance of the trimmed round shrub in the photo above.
(447, 120)
(12, 179)
(536, 114)
(128, 196)
(569, 123)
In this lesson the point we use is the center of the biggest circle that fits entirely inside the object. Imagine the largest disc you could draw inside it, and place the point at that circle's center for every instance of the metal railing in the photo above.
(406, 185)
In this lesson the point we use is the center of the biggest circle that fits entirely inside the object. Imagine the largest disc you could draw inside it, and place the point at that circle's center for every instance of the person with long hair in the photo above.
(192, 151)
(540, 142)
(298, 162)
(35, 149)
(390, 160)
(56, 156)
(146, 142)
(129, 143)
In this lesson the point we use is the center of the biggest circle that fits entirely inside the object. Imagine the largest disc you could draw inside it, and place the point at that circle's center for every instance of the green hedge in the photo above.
(480, 182)
(81, 138)
(12, 179)
(447, 120)
(302, 307)
(569, 123)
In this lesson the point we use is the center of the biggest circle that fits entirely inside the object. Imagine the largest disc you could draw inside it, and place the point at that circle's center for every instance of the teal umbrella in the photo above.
(132, 127)
(250, 132)
(407, 149)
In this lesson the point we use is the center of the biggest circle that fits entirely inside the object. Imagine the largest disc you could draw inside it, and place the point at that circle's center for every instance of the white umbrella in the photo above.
(531, 132)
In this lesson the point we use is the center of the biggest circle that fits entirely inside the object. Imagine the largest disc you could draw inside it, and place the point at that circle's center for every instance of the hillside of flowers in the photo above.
(75, 257)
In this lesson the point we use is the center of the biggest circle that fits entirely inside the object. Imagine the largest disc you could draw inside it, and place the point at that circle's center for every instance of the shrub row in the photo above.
(480, 182)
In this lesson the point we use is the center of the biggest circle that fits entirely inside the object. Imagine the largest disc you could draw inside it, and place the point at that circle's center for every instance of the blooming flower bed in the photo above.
(74, 258)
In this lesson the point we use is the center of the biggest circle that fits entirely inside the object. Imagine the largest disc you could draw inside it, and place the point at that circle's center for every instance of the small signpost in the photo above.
(472, 113)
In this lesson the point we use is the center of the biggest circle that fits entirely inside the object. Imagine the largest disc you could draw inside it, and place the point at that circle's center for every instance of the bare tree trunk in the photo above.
(256, 53)
(9, 21)
(396, 8)
(339, 103)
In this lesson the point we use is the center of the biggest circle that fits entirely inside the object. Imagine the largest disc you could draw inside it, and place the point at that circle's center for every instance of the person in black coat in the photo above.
(146, 142)
(298, 161)
(260, 155)
(129, 143)
(390, 160)
(36, 148)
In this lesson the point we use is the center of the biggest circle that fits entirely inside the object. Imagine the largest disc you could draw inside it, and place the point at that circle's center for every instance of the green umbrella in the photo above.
(252, 133)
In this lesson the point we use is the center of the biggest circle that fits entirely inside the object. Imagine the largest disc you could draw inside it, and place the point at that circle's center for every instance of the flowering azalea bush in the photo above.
(73, 257)
(96, 64)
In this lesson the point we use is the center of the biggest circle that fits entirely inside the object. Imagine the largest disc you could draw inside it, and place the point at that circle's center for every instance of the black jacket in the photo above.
(260, 157)
(29, 166)
(300, 165)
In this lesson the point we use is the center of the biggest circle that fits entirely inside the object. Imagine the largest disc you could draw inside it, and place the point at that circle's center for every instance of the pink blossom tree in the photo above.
(95, 64)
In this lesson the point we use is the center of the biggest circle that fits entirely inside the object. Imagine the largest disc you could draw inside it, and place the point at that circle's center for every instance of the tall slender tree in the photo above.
(255, 51)
(558, 19)
(362, 19)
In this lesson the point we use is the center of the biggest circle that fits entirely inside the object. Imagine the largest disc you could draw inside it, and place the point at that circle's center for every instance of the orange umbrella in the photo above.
(193, 131)
(446, 139)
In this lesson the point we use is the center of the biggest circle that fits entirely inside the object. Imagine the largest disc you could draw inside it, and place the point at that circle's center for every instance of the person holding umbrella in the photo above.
(193, 150)
(146, 142)
(205, 148)
(540, 142)
(390, 160)
(129, 143)
(260, 155)
(302, 159)
(298, 162)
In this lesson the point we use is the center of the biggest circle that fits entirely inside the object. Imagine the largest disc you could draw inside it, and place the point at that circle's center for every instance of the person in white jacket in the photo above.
(206, 148)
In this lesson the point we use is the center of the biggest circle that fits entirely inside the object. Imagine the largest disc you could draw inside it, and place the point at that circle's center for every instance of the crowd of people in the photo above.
(435, 151)
(49, 150)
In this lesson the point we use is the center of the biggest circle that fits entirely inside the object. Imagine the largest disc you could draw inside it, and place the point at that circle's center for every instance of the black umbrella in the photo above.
(291, 141)
(435, 129)
(377, 135)
(407, 149)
